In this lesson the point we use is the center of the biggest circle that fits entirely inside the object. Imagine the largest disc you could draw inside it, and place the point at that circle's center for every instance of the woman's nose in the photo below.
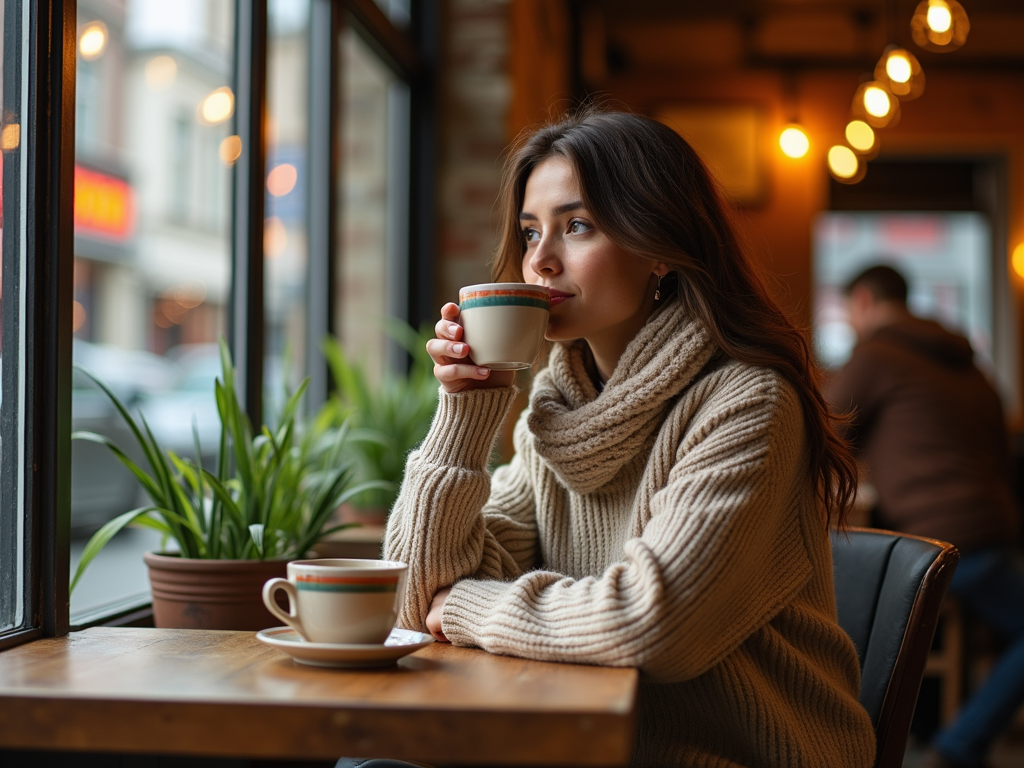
(543, 259)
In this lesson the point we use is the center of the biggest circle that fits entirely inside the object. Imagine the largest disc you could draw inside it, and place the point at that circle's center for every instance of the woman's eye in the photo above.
(531, 235)
(577, 227)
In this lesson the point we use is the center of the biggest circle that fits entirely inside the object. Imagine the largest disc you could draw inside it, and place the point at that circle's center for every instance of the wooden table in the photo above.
(191, 692)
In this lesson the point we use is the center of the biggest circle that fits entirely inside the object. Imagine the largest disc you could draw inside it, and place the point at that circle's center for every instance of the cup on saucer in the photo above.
(340, 601)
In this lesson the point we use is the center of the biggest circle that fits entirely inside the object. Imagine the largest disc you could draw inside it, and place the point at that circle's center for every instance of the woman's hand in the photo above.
(433, 620)
(451, 358)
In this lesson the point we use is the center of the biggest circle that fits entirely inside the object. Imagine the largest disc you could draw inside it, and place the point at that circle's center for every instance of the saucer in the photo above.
(400, 642)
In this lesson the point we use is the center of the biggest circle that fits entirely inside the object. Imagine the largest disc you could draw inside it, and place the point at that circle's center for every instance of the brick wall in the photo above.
(475, 94)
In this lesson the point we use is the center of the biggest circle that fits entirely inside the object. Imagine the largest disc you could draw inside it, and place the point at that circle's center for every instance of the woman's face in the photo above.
(599, 292)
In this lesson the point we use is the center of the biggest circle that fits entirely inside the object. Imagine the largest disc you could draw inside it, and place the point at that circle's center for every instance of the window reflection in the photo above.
(152, 268)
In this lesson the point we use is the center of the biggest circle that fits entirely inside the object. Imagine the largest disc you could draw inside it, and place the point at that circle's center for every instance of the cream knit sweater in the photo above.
(669, 524)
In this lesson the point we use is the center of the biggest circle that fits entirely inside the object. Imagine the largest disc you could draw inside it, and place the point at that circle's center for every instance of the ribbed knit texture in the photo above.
(669, 524)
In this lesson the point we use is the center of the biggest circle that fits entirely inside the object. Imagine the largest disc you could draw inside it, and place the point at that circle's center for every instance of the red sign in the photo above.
(104, 205)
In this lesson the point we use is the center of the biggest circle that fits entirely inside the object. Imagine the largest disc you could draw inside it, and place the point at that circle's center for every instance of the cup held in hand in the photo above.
(504, 323)
(340, 601)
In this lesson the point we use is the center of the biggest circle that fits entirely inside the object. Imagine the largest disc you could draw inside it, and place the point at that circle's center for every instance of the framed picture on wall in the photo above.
(730, 138)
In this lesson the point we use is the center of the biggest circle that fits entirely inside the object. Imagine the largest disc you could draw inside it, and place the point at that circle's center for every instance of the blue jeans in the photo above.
(990, 583)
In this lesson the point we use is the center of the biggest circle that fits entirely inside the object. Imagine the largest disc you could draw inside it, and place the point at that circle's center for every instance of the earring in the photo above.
(657, 290)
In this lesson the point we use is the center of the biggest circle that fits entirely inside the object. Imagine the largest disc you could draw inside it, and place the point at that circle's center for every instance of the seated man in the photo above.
(929, 426)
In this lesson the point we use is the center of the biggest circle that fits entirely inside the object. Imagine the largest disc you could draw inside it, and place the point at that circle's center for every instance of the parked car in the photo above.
(101, 487)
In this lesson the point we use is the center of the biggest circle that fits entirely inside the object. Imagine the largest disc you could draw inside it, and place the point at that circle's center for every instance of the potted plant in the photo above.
(388, 418)
(269, 501)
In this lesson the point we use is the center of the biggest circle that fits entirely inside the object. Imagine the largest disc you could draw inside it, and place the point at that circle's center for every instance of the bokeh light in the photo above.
(93, 40)
(230, 150)
(794, 142)
(842, 162)
(860, 136)
(161, 72)
(217, 107)
(281, 180)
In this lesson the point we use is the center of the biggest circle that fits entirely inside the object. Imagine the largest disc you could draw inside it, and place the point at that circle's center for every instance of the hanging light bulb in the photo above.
(900, 71)
(844, 165)
(940, 25)
(861, 136)
(794, 142)
(875, 105)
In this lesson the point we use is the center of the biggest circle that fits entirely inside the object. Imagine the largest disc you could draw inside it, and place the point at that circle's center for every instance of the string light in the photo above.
(860, 136)
(940, 25)
(900, 71)
(875, 105)
(844, 165)
(794, 142)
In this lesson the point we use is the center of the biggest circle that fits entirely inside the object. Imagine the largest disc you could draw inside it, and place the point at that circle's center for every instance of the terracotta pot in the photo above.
(211, 594)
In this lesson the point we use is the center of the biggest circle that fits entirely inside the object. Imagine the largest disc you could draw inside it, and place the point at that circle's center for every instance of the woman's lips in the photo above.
(557, 297)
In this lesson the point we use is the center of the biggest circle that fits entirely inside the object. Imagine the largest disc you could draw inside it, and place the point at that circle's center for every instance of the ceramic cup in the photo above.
(504, 323)
(339, 601)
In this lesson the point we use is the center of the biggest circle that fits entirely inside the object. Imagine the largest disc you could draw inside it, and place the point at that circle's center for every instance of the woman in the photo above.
(675, 473)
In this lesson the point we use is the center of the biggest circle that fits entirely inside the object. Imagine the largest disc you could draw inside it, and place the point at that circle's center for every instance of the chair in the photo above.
(889, 589)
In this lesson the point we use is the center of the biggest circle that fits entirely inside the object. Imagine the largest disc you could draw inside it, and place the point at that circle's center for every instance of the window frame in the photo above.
(49, 209)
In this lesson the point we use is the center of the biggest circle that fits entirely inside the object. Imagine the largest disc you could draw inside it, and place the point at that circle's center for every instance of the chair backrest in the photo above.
(889, 588)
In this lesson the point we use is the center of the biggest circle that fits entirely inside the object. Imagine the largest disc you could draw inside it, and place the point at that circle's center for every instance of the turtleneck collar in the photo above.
(586, 439)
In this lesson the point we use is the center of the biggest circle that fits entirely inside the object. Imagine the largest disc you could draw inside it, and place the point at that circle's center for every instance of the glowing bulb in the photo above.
(842, 162)
(939, 17)
(898, 68)
(217, 107)
(794, 142)
(161, 72)
(860, 136)
(1018, 259)
(876, 102)
(230, 150)
(281, 180)
(93, 40)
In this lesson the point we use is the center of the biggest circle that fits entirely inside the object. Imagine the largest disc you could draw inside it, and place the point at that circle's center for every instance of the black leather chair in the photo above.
(889, 588)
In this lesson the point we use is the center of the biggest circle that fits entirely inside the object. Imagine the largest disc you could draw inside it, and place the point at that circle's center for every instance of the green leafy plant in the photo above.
(389, 418)
(273, 492)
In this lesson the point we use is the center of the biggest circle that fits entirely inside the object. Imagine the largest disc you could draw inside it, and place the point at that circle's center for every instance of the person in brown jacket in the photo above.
(930, 428)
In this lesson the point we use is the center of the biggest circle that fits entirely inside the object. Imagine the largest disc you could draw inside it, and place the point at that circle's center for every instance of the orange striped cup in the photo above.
(340, 601)
(504, 323)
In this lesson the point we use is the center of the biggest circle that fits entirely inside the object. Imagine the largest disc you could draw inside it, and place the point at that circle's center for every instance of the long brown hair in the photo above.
(649, 192)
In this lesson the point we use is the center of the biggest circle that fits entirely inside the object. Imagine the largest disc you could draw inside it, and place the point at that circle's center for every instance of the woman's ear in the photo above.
(661, 269)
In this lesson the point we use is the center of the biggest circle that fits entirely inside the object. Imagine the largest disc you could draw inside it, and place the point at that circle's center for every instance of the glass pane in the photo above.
(284, 241)
(374, 217)
(946, 258)
(12, 521)
(152, 266)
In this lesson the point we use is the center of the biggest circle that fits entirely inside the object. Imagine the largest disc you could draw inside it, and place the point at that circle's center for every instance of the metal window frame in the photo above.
(48, 290)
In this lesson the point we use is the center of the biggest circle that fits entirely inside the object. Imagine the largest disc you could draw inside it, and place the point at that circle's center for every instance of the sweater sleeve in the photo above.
(721, 555)
(451, 519)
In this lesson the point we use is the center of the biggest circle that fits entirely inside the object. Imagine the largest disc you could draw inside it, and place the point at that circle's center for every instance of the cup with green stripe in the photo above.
(504, 323)
(340, 601)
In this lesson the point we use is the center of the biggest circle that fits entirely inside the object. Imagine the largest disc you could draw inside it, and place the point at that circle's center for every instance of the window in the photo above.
(152, 286)
(146, 236)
